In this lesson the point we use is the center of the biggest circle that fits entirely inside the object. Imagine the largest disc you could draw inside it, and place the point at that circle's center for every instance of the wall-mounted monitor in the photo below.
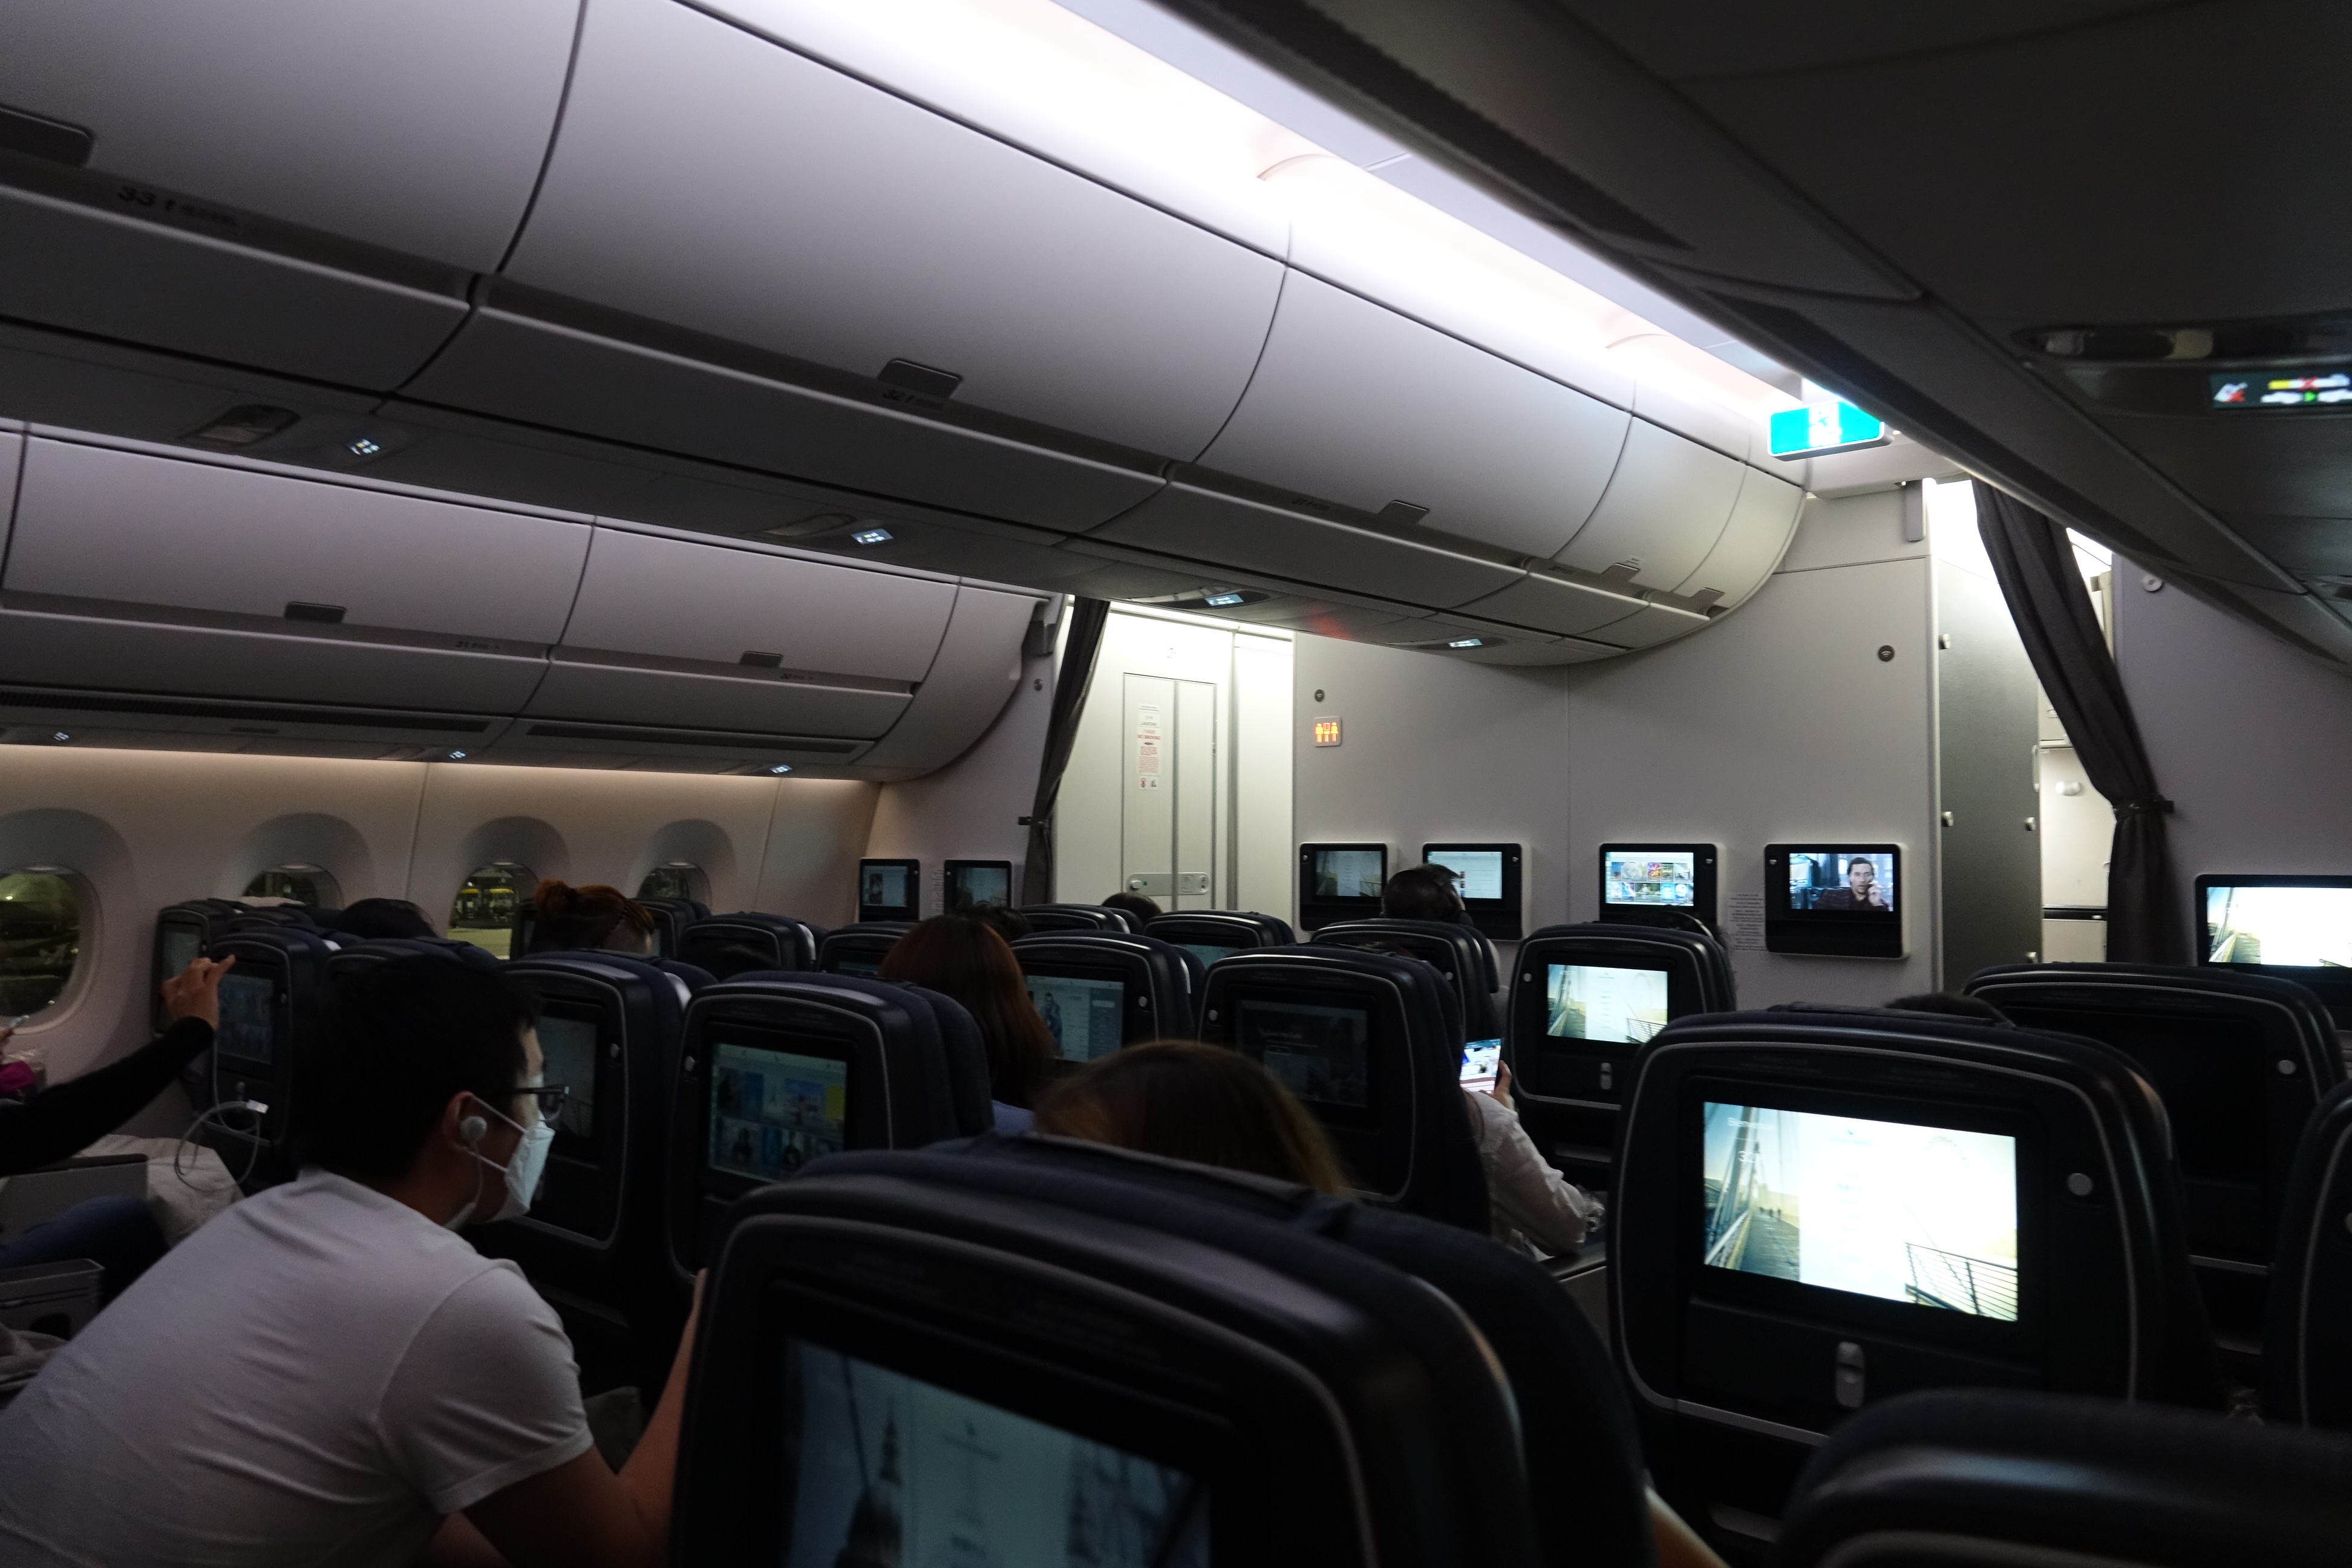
(1657, 884)
(965, 885)
(1341, 882)
(2297, 927)
(1834, 900)
(890, 890)
(1489, 884)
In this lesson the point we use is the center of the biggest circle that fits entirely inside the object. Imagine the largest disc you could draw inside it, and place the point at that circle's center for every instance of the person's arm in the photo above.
(1676, 1543)
(60, 1121)
(1529, 1195)
(580, 1514)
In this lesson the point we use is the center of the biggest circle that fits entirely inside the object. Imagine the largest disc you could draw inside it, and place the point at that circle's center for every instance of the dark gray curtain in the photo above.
(2034, 562)
(1087, 618)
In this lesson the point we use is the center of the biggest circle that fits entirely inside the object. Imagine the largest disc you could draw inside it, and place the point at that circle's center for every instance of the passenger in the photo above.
(964, 958)
(1009, 923)
(118, 1233)
(328, 1372)
(1135, 904)
(370, 920)
(594, 918)
(1861, 892)
(1185, 1101)
(1953, 1004)
(1535, 1208)
(1424, 893)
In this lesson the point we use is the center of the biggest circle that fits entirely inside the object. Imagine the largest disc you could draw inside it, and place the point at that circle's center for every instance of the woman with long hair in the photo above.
(1185, 1101)
(964, 959)
(588, 919)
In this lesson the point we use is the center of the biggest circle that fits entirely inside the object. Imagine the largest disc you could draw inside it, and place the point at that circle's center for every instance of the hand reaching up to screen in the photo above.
(194, 992)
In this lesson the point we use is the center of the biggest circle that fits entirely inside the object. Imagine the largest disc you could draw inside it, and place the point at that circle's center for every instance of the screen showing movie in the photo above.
(183, 945)
(1207, 953)
(773, 1111)
(1599, 1002)
(1905, 1213)
(886, 1469)
(248, 1018)
(1322, 1053)
(1349, 873)
(567, 1050)
(1480, 870)
(2294, 928)
(883, 887)
(1653, 879)
(972, 886)
(1839, 881)
(1086, 1018)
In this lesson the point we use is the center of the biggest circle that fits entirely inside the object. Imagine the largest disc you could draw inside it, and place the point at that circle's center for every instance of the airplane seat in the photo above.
(1142, 1378)
(780, 1068)
(261, 917)
(1581, 1001)
(2241, 1062)
(692, 977)
(1577, 1427)
(1209, 934)
(859, 949)
(2306, 1354)
(269, 1009)
(671, 917)
(1818, 1207)
(1099, 991)
(1980, 1476)
(609, 1027)
(1460, 953)
(1372, 1044)
(185, 932)
(356, 953)
(728, 945)
(1045, 918)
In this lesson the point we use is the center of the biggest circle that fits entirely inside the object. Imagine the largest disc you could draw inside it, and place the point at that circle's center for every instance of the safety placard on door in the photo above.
(1147, 746)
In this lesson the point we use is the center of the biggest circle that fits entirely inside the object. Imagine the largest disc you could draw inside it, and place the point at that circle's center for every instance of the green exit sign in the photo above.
(1820, 427)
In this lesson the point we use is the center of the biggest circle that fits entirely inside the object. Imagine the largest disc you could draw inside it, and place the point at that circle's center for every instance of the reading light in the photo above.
(870, 536)
(782, 768)
(457, 756)
(1467, 642)
(362, 446)
(60, 735)
(1219, 600)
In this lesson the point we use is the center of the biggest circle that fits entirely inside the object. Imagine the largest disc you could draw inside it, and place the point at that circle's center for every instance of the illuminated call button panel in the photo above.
(2329, 388)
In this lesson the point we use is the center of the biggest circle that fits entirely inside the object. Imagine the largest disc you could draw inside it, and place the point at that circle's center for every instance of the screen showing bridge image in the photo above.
(1906, 1213)
(1593, 1002)
(885, 1469)
(2299, 928)
(1655, 878)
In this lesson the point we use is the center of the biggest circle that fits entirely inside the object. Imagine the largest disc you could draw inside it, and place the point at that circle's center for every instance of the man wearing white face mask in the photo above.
(327, 1373)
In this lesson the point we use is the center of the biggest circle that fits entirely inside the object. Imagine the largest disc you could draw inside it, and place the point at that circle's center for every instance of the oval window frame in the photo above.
(88, 949)
(333, 888)
(527, 881)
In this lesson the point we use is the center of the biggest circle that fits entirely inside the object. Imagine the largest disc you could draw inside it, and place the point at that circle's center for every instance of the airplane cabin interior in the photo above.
(1522, 783)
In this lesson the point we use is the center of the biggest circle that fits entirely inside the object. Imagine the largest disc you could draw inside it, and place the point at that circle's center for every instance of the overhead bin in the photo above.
(1545, 600)
(182, 175)
(685, 633)
(974, 675)
(56, 716)
(1356, 404)
(133, 572)
(666, 748)
(1219, 530)
(1762, 522)
(707, 177)
(1665, 507)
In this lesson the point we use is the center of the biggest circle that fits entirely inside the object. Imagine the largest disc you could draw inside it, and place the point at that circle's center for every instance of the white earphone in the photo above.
(472, 1129)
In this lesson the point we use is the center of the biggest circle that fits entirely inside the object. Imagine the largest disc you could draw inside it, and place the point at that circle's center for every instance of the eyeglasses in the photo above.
(549, 1101)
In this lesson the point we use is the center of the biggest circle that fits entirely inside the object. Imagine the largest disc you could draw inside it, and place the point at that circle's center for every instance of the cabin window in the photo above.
(490, 908)
(310, 885)
(675, 880)
(40, 937)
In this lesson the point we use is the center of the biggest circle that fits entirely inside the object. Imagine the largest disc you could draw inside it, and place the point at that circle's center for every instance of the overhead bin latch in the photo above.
(924, 381)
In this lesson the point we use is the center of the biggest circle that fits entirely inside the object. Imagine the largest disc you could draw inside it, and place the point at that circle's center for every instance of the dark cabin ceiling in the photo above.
(1926, 206)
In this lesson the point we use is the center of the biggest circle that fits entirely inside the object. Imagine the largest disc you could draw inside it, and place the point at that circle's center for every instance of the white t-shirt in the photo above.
(1532, 1203)
(315, 1377)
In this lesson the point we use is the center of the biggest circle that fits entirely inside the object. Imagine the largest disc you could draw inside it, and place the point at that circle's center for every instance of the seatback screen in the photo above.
(1087, 1019)
(1207, 953)
(885, 1469)
(1349, 873)
(183, 945)
(773, 1111)
(1480, 870)
(1321, 1053)
(1600, 1001)
(869, 966)
(568, 1053)
(248, 1018)
(2297, 928)
(1839, 882)
(1654, 879)
(1904, 1211)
